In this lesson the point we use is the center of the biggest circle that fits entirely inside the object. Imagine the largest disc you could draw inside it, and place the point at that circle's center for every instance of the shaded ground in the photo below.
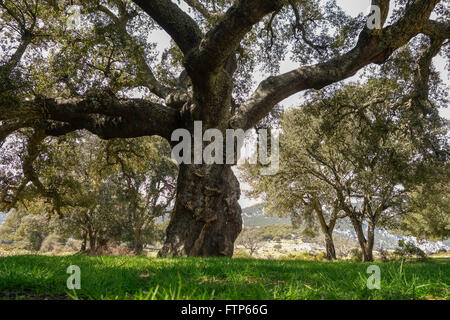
(44, 277)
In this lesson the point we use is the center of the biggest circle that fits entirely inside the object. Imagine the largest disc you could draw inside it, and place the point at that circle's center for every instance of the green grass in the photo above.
(107, 277)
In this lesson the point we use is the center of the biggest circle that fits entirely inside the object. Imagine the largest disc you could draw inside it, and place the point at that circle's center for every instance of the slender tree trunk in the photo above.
(207, 217)
(138, 243)
(92, 242)
(102, 242)
(357, 225)
(370, 240)
(83, 242)
(329, 244)
(327, 231)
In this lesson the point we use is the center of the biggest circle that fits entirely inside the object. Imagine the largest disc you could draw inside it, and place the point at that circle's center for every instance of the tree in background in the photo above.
(427, 213)
(103, 191)
(354, 152)
(66, 78)
(249, 240)
(294, 192)
(29, 229)
(143, 180)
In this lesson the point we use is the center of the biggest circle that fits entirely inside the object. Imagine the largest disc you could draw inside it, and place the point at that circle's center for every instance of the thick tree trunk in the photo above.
(329, 244)
(207, 217)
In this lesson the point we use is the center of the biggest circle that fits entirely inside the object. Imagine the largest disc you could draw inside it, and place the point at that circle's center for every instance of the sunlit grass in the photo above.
(106, 277)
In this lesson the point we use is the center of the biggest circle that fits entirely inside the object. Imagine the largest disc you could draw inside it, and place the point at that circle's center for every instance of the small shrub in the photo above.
(304, 255)
(409, 250)
(308, 233)
(113, 250)
(120, 251)
(270, 257)
(52, 243)
(384, 255)
(321, 256)
(442, 253)
(72, 245)
(241, 254)
(16, 248)
(355, 255)
(278, 246)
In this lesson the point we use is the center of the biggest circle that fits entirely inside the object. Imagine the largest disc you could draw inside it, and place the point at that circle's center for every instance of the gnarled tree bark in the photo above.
(207, 217)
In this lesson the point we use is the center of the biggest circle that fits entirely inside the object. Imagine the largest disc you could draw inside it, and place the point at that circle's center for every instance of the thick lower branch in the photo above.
(104, 116)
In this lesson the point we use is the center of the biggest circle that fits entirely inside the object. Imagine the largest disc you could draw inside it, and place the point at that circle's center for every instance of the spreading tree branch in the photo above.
(197, 5)
(145, 74)
(220, 42)
(372, 47)
(103, 115)
(178, 24)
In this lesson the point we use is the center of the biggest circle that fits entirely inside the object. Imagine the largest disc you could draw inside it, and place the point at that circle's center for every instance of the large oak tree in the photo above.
(216, 50)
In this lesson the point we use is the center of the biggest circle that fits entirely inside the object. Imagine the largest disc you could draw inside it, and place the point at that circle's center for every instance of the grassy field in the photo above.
(107, 277)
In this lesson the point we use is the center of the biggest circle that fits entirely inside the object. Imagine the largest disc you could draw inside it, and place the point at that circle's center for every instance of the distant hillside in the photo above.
(254, 217)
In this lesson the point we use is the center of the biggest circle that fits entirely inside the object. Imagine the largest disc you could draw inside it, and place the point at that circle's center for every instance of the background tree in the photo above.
(249, 240)
(352, 152)
(103, 191)
(143, 183)
(22, 227)
(89, 76)
(426, 215)
(295, 193)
